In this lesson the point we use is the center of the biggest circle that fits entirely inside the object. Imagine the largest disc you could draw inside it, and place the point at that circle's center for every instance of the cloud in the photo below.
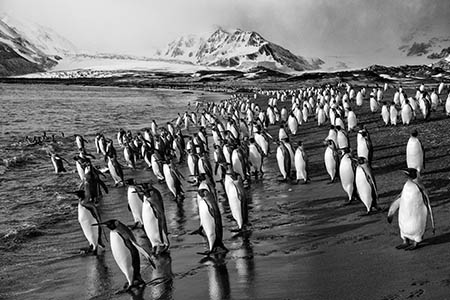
(310, 27)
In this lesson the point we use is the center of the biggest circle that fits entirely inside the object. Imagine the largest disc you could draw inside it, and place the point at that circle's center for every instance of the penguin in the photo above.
(407, 113)
(366, 185)
(393, 114)
(157, 166)
(385, 114)
(413, 206)
(364, 147)
(210, 222)
(331, 159)
(88, 215)
(93, 185)
(342, 138)
(97, 142)
(58, 164)
(321, 117)
(154, 218)
(237, 200)
(126, 251)
(129, 156)
(284, 161)
(447, 105)
(80, 163)
(347, 170)
(292, 123)
(239, 163)
(262, 139)
(415, 153)
(134, 203)
(79, 140)
(255, 157)
(359, 99)
(173, 180)
(373, 103)
(352, 121)
(332, 134)
(115, 169)
(301, 164)
(282, 134)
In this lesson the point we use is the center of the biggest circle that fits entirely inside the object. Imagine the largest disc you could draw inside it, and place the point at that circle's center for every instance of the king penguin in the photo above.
(347, 169)
(134, 203)
(331, 159)
(301, 164)
(237, 199)
(366, 185)
(88, 215)
(210, 221)
(413, 206)
(125, 251)
(415, 153)
(154, 218)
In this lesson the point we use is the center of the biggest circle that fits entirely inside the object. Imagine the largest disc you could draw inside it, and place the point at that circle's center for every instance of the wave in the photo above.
(15, 236)
(18, 160)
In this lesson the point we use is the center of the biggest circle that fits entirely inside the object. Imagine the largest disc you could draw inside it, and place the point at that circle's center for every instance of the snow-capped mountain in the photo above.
(28, 48)
(238, 49)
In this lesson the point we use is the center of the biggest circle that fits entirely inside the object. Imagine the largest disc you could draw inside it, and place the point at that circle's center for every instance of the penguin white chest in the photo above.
(86, 219)
(207, 221)
(412, 215)
(151, 224)
(364, 188)
(122, 255)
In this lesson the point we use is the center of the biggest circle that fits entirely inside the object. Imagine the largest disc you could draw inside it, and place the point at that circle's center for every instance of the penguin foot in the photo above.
(347, 203)
(402, 246)
(282, 180)
(412, 246)
(86, 250)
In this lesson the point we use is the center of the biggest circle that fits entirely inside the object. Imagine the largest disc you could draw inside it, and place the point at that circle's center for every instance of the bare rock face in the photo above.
(238, 49)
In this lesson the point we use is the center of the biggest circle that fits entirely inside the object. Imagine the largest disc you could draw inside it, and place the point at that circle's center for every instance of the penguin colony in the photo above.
(240, 145)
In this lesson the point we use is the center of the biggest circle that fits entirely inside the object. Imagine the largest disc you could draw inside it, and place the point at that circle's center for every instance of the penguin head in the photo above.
(414, 133)
(80, 194)
(411, 173)
(130, 181)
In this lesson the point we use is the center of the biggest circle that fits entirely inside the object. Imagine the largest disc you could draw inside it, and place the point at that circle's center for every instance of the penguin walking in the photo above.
(79, 140)
(331, 159)
(157, 165)
(126, 251)
(173, 180)
(255, 157)
(134, 202)
(301, 164)
(237, 200)
(413, 206)
(284, 161)
(87, 216)
(115, 169)
(58, 164)
(364, 147)
(210, 222)
(154, 218)
(415, 153)
(347, 170)
(366, 185)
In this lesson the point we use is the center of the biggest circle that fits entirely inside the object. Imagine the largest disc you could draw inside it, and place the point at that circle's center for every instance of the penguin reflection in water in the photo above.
(413, 206)
(126, 251)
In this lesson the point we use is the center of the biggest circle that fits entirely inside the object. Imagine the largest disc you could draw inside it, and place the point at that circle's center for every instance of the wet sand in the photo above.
(304, 244)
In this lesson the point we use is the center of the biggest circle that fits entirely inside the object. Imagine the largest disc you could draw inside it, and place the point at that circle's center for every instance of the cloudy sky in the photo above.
(307, 27)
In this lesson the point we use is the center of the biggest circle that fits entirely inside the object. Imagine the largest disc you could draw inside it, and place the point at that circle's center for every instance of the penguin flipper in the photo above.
(426, 200)
(393, 208)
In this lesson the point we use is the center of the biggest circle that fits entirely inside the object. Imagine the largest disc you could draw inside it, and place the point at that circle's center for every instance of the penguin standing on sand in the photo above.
(347, 170)
(415, 153)
(173, 180)
(366, 185)
(210, 221)
(125, 251)
(364, 147)
(301, 164)
(407, 113)
(331, 159)
(154, 218)
(87, 216)
(413, 207)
